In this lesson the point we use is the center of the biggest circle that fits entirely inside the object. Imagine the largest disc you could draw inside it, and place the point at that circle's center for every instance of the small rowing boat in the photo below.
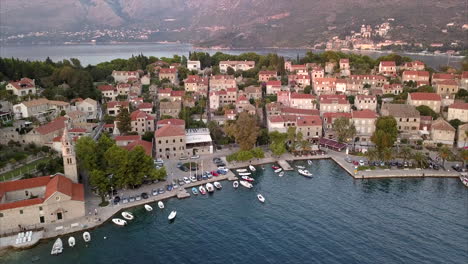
(148, 207)
(252, 168)
(300, 167)
(281, 174)
(305, 173)
(235, 184)
(202, 190)
(275, 167)
(194, 190)
(119, 222)
(86, 236)
(278, 170)
(464, 180)
(71, 241)
(57, 247)
(309, 162)
(217, 185)
(261, 198)
(161, 205)
(247, 178)
(246, 184)
(245, 174)
(172, 215)
(241, 170)
(127, 215)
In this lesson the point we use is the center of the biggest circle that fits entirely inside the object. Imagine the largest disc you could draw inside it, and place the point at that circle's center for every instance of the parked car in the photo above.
(161, 191)
(183, 158)
(131, 199)
(361, 163)
(125, 200)
(175, 185)
(154, 192)
(144, 195)
(195, 157)
(138, 198)
(183, 168)
(169, 187)
(186, 180)
(116, 199)
(348, 160)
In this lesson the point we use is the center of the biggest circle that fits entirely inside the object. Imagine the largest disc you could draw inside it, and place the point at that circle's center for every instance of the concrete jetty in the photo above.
(285, 165)
(181, 194)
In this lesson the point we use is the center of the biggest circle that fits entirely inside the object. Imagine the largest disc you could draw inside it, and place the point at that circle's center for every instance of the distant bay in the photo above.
(94, 54)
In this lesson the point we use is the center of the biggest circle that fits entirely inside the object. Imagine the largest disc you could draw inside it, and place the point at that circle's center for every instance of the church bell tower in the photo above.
(69, 157)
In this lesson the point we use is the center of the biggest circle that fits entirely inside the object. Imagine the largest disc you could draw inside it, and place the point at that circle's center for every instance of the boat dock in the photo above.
(181, 194)
(285, 165)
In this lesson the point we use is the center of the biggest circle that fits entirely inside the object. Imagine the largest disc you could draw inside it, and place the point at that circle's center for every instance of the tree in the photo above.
(308, 89)
(124, 122)
(426, 89)
(86, 152)
(444, 153)
(115, 161)
(148, 136)
(245, 130)
(464, 155)
(372, 154)
(99, 180)
(387, 154)
(386, 132)
(230, 71)
(278, 140)
(406, 153)
(344, 129)
(420, 159)
(455, 123)
(425, 110)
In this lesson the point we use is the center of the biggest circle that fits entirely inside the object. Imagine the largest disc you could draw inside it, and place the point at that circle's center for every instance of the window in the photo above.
(1, 214)
(41, 219)
(21, 211)
(40, 208)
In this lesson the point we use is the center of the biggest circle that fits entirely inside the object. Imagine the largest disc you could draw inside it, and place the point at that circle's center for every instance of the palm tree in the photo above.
(387, 154)
(420, 159)
(305, 145)
(406, 153)
(444, 153)
(372, 154)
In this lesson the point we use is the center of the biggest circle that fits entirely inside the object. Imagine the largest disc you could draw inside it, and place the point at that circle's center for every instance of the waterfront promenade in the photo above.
(97, 215)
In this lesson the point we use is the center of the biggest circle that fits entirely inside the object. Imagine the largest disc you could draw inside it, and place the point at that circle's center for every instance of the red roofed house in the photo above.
(334, 104)
(345, 69)
(387, 68)
(171, 121)
(109, 92)
(146, 145)
(458, 111)
(170, 74)
(123, 141)
(236, 65)
(299, 69)
(464, 80)
(442, 132)
(324, 86)
(364, 121)
(253, 92)
(142, 122)
(222, 82)
(415, 76)
(309, 126)
(265, 76)
(317, 72)
(146, 107)
(365, 102)
(447, 87)
(431, 100)
(374, 81)
(302, 101)
(299, 81)
(414, 66)
(45, 134)
(170, 142)
(123, 88)
(329, 118)
(196, 84)
(123, 76)
(438, 77)
(394, 88)
(24, 86)
(273, 87)
(230, 114)
(114, 107)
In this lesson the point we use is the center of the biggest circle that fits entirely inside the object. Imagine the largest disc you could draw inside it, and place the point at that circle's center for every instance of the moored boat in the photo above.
(86, 236)
(275, 167)
(235, 184)
(281, 174)
(278, 170)
(148, 207)
(300, 167)
(172, 215)
(309, 162)
(202, 190)
(119, 221)
(161, 205)
(209, 187)
(247, 178)
(464, 180)
(57, 247)
(252, 168)
(261, 198)
(127, 215)
(71, 241)
(217, 185)
(241, 170)
(246, 184)
(194, 190)
(245, 174)
(305, 173)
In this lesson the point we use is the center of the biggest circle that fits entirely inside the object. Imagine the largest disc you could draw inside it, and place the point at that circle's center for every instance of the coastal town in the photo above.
(79, 144)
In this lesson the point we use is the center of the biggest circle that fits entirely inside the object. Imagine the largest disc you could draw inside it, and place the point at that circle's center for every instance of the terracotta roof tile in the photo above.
(169, 131)
(54, 125)
(425, 96)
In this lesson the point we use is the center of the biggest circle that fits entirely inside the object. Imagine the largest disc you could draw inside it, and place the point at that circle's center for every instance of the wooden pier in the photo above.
(285, 165)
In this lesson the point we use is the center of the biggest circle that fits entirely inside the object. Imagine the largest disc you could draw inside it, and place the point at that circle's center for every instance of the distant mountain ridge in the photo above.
(235, 23)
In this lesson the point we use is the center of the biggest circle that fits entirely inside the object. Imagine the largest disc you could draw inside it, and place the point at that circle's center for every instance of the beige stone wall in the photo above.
(443, 136)
(310, 132)
(460, 114)
(21, 194)
(170, 147)
(409, 125)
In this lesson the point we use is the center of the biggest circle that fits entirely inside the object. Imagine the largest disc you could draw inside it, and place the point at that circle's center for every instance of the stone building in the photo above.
(407, 117)
(442, 132)
(458, 111)
(365, 102)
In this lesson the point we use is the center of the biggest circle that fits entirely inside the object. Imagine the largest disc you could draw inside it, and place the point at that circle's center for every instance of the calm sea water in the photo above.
(328, 219)
(94, 54)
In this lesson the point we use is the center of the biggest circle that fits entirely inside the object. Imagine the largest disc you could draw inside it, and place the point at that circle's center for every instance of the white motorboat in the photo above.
(127, 215)
(278, 170)
(86, 236)
(172, 215)
(246, 184)
(245, 174)
(119, 221)
(161, 205)
(300, 167)
(464, 180)
(305, 173)
(261, 198)
(235, 184)
(148, 208)
(209, 187)
(57, 247)
(281, 174)
(217, 185)
(241, 170)
(71, 241)
(252, 168)
(309, 162)
(202, 190)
